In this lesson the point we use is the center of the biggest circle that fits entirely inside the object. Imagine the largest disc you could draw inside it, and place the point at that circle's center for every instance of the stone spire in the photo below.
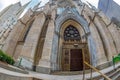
(22, 9)
(36, 6)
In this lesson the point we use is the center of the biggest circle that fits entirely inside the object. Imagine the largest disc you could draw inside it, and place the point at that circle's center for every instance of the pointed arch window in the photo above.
(71, 34)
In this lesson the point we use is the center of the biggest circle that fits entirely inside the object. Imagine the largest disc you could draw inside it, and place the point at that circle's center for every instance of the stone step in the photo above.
(12, 68)
(67, 73)
(114, 75)
(70, 72)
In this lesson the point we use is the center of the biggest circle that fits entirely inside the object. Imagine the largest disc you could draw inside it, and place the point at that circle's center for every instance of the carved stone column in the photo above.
(116, 36)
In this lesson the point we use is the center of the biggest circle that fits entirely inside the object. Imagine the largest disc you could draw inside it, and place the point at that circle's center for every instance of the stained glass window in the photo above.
(71, 34)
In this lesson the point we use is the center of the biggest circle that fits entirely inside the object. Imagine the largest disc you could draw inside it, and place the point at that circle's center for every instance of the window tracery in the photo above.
(71, 34)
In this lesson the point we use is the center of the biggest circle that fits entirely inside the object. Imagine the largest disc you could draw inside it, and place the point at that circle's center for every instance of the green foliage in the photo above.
(116, 58)
(5, 58)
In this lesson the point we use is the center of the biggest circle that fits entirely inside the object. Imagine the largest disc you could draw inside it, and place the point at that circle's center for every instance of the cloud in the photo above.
(23, 2)
(93, 2)
(5, 3)
(117, 1)
(1, 5)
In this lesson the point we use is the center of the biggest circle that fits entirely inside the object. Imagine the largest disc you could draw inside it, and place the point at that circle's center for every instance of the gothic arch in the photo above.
(72, 25)
(60, 20)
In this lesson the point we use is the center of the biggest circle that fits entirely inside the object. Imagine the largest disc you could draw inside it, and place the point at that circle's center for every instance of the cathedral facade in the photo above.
(61, 35)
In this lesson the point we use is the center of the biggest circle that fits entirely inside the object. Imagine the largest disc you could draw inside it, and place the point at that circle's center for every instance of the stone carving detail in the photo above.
(64, 3)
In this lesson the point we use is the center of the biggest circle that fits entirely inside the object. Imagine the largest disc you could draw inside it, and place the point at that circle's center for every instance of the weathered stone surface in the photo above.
(47, 9)
(6, 33)
(11, 42)
(115, 36)
(53, 15)
(106, 20)
(2, 39)
(33, 36)
(27, 16)
(101, 57)
(26, 60)
(18, 51)
(88, 13)
(4, 36)
(45, 60)
(48, 45)
(106, 37)
(79, 6)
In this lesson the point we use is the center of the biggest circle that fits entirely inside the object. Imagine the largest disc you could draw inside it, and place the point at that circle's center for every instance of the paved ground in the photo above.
(52, 77)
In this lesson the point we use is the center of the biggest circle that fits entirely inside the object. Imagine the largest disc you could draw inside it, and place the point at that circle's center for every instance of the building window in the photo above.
(71, 34)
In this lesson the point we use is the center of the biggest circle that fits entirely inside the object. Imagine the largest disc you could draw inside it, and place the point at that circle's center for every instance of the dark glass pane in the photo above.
(71, 33)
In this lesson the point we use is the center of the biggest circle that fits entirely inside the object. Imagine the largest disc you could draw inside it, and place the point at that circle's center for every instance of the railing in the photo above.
(105, 77)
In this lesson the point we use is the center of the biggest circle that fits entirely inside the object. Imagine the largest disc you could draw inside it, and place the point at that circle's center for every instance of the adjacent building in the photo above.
(111, 9)
(8, 18)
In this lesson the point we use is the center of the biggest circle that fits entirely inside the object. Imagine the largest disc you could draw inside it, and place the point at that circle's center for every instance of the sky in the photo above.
(5, 3)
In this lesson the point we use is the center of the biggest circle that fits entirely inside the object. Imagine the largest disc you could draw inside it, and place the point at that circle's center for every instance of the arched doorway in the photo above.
(72, 48)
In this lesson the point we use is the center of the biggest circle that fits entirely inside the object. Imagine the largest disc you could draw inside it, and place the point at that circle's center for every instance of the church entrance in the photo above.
(72, 57)
(72, 50)
(76, 60)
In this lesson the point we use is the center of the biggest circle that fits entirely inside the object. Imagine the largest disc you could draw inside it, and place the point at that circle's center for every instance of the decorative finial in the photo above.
(36, 6)
(93, 7)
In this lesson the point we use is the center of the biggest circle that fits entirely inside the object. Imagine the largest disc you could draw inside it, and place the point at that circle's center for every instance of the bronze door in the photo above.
(76, 60)
(66, 60)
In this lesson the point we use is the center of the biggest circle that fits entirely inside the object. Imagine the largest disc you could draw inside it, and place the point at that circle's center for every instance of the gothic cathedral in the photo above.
(61, 35)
